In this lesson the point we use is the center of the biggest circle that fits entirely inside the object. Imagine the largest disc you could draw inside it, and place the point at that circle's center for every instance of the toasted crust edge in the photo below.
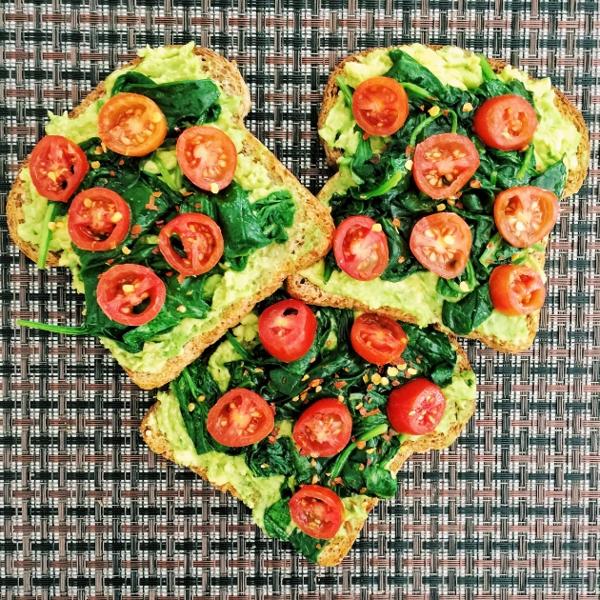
(229, 77)
(338, 547)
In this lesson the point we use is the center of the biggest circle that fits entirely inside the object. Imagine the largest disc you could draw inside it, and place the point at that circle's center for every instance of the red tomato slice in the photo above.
(378, 339)
(98, 219)
(131, 124)
(317, 511)
(207, 157)
(380, 106)
(57, 167)
(287, 329)
(441, 243)
(417, 407)
(200, 239)
(505, 122)
(516, 290)
(361, 248)
(525, 215)
(443, 164)
(240, 418)
(130, 294)
(324, 428)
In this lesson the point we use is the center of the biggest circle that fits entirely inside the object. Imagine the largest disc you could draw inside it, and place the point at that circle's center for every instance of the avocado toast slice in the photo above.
(375, 180)
(271, 224)
(267, 474)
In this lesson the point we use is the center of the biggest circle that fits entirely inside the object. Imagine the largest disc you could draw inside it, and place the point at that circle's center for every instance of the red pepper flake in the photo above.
(151, 203)
(339, 385)
(136, 230)
(475, 183)
(315, 383)
(112, 173)
(110, 261)
(338, 481)
(375, 411)
(155, 250)
(180, 278)
(361, 444)
(121, 162)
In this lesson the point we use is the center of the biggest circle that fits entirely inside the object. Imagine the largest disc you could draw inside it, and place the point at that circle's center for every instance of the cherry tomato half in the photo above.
(199, 243)
(516, 290)
(57, 167)
(98, 219)
(378, 339)
(361, 248)
(505, 122)
(317, 510)
(416, 407)
(525, 215)
(380, 106)
(324, 428)
(441, 243)
(287, 329)
(131, 124)
(130, 294)
(443, 164)
(240, 418)
(207, 157)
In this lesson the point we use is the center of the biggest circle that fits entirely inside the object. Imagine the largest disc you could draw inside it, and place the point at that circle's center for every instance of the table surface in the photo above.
(88, 512)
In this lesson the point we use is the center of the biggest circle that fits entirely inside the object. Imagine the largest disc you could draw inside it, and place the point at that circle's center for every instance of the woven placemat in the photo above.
(87, 512)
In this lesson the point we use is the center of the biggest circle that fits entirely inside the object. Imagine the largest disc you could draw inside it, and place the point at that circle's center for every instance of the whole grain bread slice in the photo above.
(312, 221)
(300, 287)
(338, 547)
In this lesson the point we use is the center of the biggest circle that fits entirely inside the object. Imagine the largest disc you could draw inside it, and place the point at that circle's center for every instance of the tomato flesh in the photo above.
(525, 215)
(443, 164)
(57, 167)
(360, 248)
(200, 239)
(378, 339)
(240, 418)
(287, 329)
(98, 219)
(516, 290)
(442, 243)
(131, 124)
(505, 122)
(317, 511)
(130, 294)
(416, 407)
(380, 106)
(324, 428)
(207, 156)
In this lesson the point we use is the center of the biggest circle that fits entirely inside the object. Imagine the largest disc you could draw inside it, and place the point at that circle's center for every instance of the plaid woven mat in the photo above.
(87, 512)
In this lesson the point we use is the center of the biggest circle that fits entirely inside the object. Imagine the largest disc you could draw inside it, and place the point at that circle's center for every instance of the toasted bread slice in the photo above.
(302, 288)
(309, 237)
(336, 549)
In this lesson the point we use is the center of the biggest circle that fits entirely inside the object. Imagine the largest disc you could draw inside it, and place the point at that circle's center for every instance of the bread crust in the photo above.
(338, 547)
(310, 212)
(300, 287)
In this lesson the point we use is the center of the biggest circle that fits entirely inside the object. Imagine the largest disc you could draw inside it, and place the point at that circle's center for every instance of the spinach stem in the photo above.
(66, 329)
(417, 130)
(343, 457)
(453, 120)
(486, 69)
(46, 235)
(526, 162)
(190, 383)
(417, 90)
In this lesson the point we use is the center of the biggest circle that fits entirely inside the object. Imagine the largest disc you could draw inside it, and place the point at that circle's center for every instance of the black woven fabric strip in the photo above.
(87, 512)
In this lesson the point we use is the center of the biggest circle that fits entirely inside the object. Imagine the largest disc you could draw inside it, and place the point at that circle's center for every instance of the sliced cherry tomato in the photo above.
(287, 329)
(525, 215)
(324, 428)
(98, 219)
(441, 243)
(505, 122)
(516, 289)
(198, 243)
(378, 339)
(317, 510)
(131, 124)
(207, 157)
(443, 164)
(239, 418)
(57, 167)
(361, 248)
(130, 294)
(380, 106)
(416, 407)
